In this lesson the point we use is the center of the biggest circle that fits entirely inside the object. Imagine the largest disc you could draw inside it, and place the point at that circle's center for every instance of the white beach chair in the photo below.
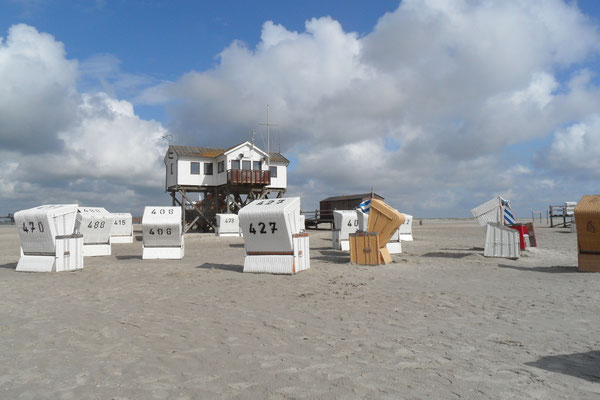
(122, 228)
(405, 230)
(363, 220)
(501, 241)
(48, 241)
(345, 222)
(95, 224)
(228, 225)
(394, 246)
(489, 212)
(162, 233)
(496, 210)
(274, 240)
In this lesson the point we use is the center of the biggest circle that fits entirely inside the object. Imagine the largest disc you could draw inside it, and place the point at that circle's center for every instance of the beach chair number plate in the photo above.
(267, 202)
(262, 228)
(162, 211)
(31, 228)
(91, 210)
(160, 231)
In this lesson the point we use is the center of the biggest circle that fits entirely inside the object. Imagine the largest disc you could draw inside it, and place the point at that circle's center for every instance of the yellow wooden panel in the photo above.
(384, 220)
(384, 256)
(588, 262)
(364, 248)
(587, 218)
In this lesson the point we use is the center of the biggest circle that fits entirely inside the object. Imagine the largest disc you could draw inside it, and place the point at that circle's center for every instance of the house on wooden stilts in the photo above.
(228, 179)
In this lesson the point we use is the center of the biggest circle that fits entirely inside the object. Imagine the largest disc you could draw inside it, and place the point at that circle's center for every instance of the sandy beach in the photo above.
(440, 322)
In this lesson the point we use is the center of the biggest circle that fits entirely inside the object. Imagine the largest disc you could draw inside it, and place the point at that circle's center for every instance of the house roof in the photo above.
(352, 197)
(278, 157)
(209, 152)
(195, 151)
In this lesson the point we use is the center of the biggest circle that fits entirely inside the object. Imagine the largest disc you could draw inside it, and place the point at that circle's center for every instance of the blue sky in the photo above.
(162, 40)
(438, 104)
(148, 38)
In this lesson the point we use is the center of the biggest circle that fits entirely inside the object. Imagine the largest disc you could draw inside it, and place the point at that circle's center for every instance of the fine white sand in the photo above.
(441, 322)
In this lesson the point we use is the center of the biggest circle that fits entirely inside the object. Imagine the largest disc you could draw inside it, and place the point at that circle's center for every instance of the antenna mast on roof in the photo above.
(268, 125)
(252, 136)
(169, 138)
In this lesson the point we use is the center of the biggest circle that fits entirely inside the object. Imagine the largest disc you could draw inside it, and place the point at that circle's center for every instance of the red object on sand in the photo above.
(532, 238)
(522, 231)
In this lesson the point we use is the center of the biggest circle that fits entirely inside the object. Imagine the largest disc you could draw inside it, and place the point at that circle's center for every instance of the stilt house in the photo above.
(228, 178)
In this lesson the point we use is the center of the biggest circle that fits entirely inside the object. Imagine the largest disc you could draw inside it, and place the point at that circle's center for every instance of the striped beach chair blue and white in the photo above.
(509, 218)
(365, 206)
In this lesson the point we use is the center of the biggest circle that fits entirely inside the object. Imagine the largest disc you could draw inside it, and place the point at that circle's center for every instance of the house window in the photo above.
(208, 168)
(171, 168)
(257, 165)
(246, 164)
(195, 168)
(220, 166)
(235, 164)
(273, 171)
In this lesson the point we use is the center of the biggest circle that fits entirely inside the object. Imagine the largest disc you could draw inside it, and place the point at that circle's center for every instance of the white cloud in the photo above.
(539, 91)
(273, 34)
(454, 84)
(111, 142)
(57, 143)
(546, 183)
(575, 150)
(519, 169)
(37, 90)
(438, 108)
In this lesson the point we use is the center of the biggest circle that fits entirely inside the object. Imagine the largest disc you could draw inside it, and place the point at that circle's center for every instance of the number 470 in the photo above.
(31, 228)
(262, 228)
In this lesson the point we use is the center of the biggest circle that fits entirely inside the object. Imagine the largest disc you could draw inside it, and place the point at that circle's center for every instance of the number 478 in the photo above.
(262, 228)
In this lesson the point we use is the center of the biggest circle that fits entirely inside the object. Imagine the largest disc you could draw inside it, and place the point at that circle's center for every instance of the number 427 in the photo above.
(262, 228)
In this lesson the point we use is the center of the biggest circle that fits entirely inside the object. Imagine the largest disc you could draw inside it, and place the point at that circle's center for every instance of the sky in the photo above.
(438, 105)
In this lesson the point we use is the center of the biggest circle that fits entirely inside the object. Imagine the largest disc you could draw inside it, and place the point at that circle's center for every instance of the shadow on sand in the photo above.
(581, 365)
(334, 260)
(555, 269)
(442, 254)
(138, 257)
(467, 249)
(9, 265)
(223, 267)
(332, 256)
(237, 245)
